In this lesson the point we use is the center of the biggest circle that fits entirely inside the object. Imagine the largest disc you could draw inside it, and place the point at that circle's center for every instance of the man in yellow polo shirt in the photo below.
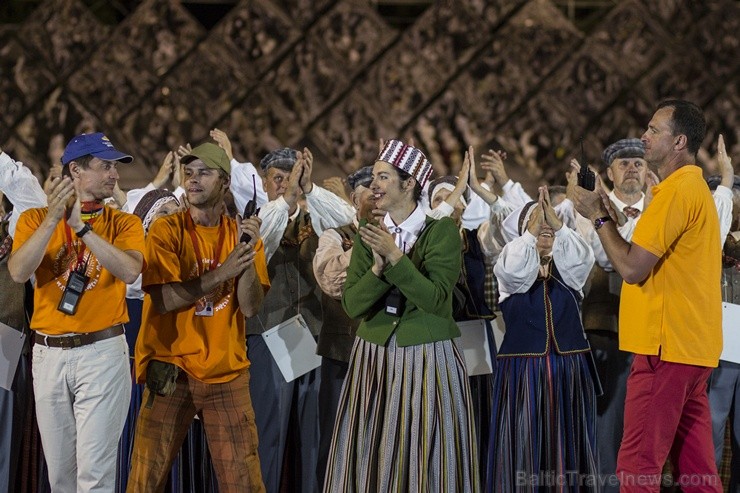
(670, 310)
(202, 280)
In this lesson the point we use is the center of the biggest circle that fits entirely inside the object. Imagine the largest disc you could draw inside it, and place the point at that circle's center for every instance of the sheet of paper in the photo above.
(11, 346)
(473, 342)
(730, 333)
(293, 348)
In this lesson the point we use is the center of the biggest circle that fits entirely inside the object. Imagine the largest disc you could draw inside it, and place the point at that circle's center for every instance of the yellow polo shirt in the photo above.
(677, 311)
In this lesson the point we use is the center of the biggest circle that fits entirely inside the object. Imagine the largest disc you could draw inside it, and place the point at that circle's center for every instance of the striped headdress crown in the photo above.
(407, 158)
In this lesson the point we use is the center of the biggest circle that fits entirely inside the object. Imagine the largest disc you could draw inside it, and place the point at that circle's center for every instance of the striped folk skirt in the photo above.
(404, 422)
(543, 425)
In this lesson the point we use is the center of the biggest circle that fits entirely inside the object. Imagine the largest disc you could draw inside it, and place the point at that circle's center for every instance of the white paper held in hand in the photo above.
(292, 347)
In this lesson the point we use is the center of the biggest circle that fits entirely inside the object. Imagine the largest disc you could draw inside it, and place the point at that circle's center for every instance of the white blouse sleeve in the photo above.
(573, 257)
(518, 266)
(723, 201)
(476, 213)
(274, 215)
(566, 211)
(490, 232)
(442, 210)
(244, 181)
(328, 210)
(514, 194)
(21, 188)
(585, 229)
(134, 196)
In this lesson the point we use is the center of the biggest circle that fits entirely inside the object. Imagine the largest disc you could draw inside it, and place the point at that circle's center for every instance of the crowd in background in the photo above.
(381, 268)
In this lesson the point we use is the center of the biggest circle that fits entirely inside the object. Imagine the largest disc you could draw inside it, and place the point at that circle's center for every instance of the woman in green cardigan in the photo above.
(405, 420)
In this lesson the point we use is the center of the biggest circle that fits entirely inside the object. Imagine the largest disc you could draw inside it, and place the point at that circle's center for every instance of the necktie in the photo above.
(631, 212)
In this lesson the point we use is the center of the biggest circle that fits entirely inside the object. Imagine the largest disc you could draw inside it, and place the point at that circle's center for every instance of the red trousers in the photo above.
(667, 414)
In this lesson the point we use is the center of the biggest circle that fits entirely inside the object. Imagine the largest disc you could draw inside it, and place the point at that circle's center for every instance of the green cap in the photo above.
(212, 156)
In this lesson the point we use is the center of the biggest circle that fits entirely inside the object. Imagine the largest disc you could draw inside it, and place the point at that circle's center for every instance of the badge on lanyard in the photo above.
(77, 280)
(204, 308)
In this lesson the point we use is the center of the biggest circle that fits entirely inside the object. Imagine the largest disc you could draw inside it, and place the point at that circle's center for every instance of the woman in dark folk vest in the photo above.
(544, 401)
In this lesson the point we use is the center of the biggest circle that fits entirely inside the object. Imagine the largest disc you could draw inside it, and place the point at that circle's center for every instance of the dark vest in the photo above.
(543, 319)
(12, 298)
(12, 294)
(601, 305)
(293, 286)
(338, 330)
(470, 286)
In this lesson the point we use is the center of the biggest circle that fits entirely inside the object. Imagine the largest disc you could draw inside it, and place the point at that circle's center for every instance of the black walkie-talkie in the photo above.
(250, 210)
(73, 291)
(586, 177)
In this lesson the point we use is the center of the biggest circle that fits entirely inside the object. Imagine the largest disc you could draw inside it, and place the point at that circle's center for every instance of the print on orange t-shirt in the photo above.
(103, 302)
(209, 348)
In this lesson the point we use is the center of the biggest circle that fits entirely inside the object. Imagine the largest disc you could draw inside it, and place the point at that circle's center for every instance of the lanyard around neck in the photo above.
(190, 226)
(71, 245)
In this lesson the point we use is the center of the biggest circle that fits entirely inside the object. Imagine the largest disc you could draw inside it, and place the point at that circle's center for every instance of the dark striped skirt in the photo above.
(543, 425)
(404, 422)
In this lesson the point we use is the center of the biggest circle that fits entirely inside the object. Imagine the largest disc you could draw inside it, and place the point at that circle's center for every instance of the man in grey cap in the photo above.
(290, 235)
(627, 170)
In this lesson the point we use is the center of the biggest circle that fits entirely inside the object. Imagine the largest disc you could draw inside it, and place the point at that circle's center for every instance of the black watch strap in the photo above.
(85, 229)
(598, 223)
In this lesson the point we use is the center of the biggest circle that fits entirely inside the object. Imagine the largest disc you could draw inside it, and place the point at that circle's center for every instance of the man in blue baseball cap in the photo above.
(82, 254)
(95, 145)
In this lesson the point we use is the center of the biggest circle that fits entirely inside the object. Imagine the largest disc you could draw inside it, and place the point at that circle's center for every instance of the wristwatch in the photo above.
(598, 223)
(85, 229)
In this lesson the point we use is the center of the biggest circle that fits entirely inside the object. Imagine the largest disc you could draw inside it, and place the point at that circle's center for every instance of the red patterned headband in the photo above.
(407, 158)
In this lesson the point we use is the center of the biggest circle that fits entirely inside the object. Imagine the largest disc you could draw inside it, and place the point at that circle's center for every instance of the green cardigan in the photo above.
(425, 277)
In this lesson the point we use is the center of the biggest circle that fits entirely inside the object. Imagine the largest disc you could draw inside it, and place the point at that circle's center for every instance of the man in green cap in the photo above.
(203, 278)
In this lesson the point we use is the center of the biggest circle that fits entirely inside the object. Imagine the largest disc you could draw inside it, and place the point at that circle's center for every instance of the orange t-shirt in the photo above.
(104, 301)
(212, 349)
(677, 310)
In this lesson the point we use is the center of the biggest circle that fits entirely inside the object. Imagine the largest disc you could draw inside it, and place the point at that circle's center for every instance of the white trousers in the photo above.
(82, 397)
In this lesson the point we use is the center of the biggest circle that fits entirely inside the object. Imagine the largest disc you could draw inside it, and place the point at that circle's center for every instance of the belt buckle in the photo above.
(63, 342)
(76, 341)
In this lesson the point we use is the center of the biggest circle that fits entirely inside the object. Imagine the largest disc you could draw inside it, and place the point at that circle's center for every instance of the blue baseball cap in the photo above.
(97, 145)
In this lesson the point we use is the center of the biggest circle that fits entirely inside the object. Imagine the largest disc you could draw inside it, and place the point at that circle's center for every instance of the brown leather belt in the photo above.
(78, 340)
